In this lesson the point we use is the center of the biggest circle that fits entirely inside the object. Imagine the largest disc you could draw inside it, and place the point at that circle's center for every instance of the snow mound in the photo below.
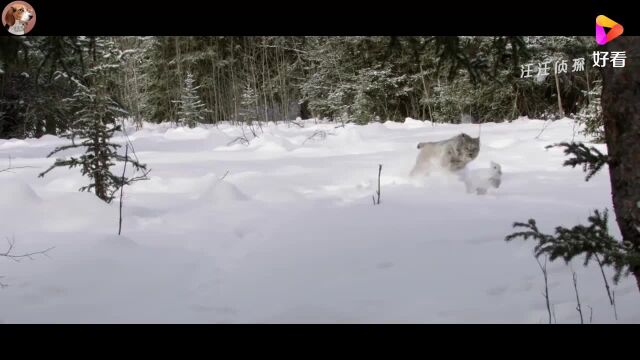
(501, 143)
(393, 124)
(218, 138)
(373, 129)
(15, 192)
(73, 211)
(185, 133)
(48, 138)
(222, 192)
(65, 184)
(272, 144)
(346, 137)
(13, 143)
(279, 196)
(117, 242)
(413, 123)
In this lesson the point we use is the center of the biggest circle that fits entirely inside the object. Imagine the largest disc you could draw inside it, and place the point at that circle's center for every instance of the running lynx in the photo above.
(453, 154)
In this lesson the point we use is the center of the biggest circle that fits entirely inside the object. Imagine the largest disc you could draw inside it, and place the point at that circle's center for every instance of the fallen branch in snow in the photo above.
(10, 167)
(253, 131)
(543, 268)
(299, 125)
(224, 176)
(8, 254)
(544, 127)
(343, 124)
(321, 134)
(241, 139)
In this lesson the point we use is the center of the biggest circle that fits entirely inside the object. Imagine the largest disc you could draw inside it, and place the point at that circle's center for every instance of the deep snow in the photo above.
(290, 234)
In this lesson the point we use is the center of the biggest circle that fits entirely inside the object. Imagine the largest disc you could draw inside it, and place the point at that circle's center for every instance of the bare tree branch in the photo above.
(319, 134)
(17, 257)
(544, 127)
(10, 167)
(224, 176)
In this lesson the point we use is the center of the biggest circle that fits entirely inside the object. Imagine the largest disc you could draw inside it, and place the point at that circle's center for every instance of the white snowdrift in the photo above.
(291, 234)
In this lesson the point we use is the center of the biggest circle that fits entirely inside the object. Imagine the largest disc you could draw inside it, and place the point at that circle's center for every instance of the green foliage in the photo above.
(355, 78)
(591, 240)
(590, 158)
(249, 105)
(191, 109)
(95, 122)
(591, 115)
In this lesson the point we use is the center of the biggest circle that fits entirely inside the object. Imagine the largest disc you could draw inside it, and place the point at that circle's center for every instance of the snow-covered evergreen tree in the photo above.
(96, 113)
(192, 110)
(591, 115)
(249, 105)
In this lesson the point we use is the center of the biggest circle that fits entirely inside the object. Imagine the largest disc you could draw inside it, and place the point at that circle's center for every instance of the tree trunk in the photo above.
(621, 113)
(560, 110)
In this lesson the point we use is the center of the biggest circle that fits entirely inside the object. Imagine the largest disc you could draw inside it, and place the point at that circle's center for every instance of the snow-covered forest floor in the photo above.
(290, 234)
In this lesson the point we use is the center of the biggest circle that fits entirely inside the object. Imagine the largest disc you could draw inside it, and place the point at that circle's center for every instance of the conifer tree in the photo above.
(249, 105)
(192, 110)
(96, 114)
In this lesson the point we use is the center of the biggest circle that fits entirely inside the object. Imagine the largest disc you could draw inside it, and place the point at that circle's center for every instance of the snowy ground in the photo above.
(291, 235)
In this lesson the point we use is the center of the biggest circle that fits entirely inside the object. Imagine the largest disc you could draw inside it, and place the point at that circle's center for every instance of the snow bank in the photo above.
(185, 133)
(413, 124)
(291, 234)
(271, 143)
(222, 192)
(15, 192)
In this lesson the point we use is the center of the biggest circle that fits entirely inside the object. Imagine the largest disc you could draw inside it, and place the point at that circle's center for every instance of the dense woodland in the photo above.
(247, 79)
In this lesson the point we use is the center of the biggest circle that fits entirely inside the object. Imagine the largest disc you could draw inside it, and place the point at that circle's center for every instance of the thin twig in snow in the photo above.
(612, 299)
(124, 170)
(378, 192)
(543, 268)
(224, 176)
(575, 287)
(544, 127)
(8, 253)
(10, 167)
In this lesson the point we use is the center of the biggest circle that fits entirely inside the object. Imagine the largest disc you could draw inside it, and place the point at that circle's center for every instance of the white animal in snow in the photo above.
(481, 180)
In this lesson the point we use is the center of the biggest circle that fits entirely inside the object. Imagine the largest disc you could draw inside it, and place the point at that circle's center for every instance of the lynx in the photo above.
(452, 154)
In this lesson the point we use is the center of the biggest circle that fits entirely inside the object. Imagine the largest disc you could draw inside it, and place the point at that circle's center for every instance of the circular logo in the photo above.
(18, 17)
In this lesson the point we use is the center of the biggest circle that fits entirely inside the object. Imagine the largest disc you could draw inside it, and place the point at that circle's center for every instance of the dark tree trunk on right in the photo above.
(621, 113)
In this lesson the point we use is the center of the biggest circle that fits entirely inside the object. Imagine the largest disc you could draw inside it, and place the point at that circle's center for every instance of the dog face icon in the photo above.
(18, 18)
